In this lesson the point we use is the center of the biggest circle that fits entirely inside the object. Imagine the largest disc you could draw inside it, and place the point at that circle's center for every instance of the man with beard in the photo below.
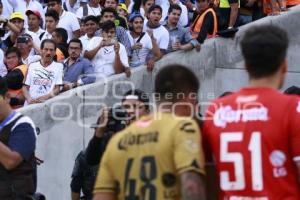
(44, 77)
(77, 70)
(141, 43)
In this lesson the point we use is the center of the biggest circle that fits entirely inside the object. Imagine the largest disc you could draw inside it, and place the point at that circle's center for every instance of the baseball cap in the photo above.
(34, 12)
(123, 6)
(16, 15)
(135, 15)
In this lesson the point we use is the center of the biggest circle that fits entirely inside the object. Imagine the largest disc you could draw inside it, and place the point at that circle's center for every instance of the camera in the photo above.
(2, 32)
(22, 39)
(117, 120)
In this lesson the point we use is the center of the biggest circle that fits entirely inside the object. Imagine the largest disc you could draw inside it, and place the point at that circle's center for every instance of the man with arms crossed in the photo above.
(256, 141)
(152, 160)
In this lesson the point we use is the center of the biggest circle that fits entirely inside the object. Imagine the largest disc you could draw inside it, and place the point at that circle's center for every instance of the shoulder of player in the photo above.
(70, 14)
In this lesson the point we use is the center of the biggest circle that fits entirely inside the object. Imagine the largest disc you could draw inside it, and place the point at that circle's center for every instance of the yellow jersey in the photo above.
(144, 161)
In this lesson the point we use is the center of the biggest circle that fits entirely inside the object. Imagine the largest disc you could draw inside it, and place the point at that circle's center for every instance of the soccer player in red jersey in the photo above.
(254, 134)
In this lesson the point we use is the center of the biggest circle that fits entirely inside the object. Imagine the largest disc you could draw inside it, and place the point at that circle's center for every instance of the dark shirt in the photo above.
(121, 22)
(82, 70)
(207, 27)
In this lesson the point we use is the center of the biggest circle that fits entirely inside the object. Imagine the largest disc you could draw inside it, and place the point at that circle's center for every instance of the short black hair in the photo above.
(75, 40)
(174, 7)
(110, 10)
(117, 1)
(264, 48)
(106, 26)
(175, 79)
(153, 7)
(13, 50)
(57, 1)
(63, 33)
(3, 86)
(53, 14)
(47, 41)
(90, 18)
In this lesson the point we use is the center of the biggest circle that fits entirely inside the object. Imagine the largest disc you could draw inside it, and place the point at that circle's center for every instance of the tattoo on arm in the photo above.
(192, 186)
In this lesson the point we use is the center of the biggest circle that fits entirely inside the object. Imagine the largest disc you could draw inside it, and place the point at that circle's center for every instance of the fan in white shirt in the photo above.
(52, 19)
(44, 77)
(106, 54)
(92, 8)
(67, 20)
(160, 33)
(141, 43)
(91, 25)
(34, 21)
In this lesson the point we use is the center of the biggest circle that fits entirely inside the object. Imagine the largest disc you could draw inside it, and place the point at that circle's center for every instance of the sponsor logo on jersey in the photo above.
(278, 159)
(137, 139)
(226, 114)
(192, 146)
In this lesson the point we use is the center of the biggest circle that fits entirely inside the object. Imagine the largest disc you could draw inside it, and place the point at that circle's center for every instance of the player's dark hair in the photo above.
(117, 1)
(173, 80)
(264, 49)
(75, 40)
(153, 7)
(47, 41)
(3, 86)
(53, 14)
(109, 10)
(106, 26)
(174, 7)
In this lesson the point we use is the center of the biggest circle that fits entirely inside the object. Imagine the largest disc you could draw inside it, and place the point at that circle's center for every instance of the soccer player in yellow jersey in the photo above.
(158, 157)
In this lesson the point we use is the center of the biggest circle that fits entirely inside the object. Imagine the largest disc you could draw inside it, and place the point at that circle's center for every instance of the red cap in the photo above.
(35, 12)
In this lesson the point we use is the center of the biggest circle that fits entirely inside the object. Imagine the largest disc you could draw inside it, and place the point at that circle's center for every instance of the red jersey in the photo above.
(254, 136)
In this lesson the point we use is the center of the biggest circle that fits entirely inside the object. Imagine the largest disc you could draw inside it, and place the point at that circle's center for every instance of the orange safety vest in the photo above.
(197, 25)
(267, 6)
(13, 93)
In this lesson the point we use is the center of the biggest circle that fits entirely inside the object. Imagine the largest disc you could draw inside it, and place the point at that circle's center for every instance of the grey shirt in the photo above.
(182, 34)
(82, 71)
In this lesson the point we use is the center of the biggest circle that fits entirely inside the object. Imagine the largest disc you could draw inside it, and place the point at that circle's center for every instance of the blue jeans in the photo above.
(244, 19)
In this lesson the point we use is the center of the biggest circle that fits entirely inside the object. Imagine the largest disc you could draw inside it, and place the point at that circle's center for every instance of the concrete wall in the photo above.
(219, 67)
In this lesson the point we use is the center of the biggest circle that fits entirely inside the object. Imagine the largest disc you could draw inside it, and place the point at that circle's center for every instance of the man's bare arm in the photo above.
(192, 186)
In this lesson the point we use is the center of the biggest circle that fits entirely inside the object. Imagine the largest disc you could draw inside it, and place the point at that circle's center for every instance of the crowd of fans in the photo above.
(52, 46)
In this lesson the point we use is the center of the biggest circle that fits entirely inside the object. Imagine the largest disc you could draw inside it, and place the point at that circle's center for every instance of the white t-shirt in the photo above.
(3, 70)
(104, 60)
(161, 35)
(46, 35)
(85, 42)
(69, 22)
(138, 56)
(42, 80)
(91, 11)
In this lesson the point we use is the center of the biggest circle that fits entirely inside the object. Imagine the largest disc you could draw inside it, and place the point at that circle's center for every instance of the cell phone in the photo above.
(22, 39)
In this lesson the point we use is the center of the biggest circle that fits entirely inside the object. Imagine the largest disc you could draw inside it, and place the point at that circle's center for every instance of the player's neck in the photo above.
(4, 112)
(271, 82)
